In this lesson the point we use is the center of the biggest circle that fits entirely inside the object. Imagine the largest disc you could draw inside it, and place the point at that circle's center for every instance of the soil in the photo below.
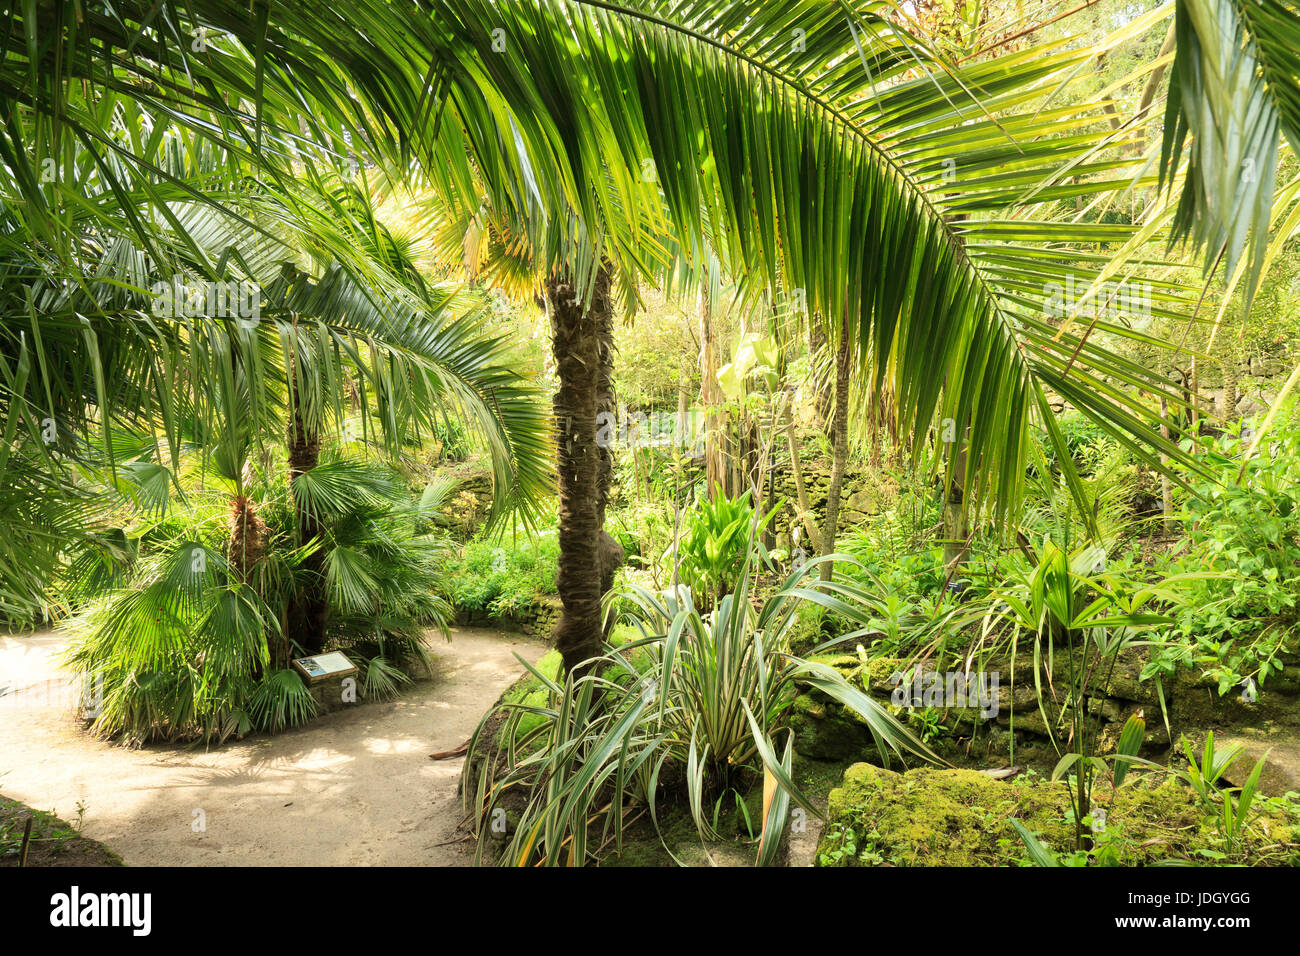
(353, 788)
(52, 842)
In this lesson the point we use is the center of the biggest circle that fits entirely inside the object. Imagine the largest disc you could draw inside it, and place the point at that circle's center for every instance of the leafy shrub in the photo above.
(1247, 533)
(490, 577)
(451, 438)
(911, 575)
(182, 647)
(715, 543)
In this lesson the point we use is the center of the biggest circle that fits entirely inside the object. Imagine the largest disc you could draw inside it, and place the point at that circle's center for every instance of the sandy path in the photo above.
(353, 788)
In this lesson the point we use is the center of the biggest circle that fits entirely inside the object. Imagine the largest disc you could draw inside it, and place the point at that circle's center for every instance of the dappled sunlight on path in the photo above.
(355, 787)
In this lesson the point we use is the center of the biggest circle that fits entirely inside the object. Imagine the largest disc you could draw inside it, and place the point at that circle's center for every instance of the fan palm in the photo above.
(221, 379)
(187, 643)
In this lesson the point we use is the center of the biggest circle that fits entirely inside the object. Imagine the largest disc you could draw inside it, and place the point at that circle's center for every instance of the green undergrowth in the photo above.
(930, 817)
(52, 841)
(528, 691)
(499, 576)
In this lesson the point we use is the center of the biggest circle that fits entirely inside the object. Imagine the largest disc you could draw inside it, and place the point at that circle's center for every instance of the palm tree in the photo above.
(1234, 90)
(582, 324)
(589, 556)
(222, 379)
(814, 147)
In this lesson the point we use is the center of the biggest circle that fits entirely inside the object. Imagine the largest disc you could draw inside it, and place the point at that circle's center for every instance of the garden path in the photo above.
(355, 787)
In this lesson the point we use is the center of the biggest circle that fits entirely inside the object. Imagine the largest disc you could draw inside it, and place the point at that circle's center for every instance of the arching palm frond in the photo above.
(1234, 90)
(818, 146)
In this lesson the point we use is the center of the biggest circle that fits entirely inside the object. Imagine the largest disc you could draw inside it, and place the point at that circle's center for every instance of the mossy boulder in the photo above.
(933, 818)
(877, 675)
(1280, 753)
(930, 817)
(824, 730)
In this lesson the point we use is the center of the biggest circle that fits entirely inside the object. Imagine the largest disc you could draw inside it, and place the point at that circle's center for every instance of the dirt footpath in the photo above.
(353, 788)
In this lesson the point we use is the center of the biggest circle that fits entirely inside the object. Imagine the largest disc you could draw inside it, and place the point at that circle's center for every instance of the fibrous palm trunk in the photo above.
(816, 348)
(308, 610)
(246, 548)
(583, 346)
(247, 538)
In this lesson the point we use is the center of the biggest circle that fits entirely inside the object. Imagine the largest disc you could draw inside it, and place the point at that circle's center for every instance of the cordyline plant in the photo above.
(699, 703)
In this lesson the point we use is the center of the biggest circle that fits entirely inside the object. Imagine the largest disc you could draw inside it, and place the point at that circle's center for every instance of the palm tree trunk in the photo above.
(1231, 395)
(822, 395)
(247, 538)
(839, 443)
(609, 551)
(308, 611)
(246, 548)
(582, 344)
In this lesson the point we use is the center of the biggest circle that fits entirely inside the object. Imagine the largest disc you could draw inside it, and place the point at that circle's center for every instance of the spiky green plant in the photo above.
(696, 709)
(715, 544)
(1073, 608)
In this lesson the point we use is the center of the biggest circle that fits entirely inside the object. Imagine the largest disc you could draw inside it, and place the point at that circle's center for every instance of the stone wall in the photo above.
(539, 620)
(863, 494)
(824, 731)
(536, 620)
(467, 507)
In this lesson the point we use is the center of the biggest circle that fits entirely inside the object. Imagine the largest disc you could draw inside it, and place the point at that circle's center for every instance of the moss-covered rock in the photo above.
(825, 731)
(1280, 753)
(930, 817)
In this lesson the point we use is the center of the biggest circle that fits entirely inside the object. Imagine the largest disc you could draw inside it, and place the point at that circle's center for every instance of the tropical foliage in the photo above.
(966, 298)
(700, 701)
(182, 646)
